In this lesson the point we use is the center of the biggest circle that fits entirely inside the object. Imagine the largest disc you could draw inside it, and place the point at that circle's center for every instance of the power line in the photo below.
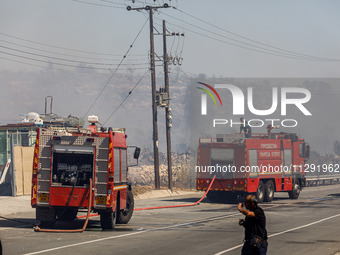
(301, 55)
(20, 62)
(68, 55)
(266, 51)
(101, 5)
(55, 58)
(69, 70)
(55, 63)
(130, 92)
(238, 41)
(226, 37)
(62, 48)
(107, 83)
(112, 2)
(69, 65)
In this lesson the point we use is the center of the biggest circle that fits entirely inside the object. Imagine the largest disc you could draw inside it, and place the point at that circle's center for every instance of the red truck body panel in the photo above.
(101, 156)
(276, 157)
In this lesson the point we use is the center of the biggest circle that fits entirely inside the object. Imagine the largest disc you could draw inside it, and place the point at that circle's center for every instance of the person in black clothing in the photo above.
(245, 127)
(255, 225)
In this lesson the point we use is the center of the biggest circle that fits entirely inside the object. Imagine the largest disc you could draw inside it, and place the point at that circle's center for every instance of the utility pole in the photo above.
(154, 105)
(153, 87)
(167, 109)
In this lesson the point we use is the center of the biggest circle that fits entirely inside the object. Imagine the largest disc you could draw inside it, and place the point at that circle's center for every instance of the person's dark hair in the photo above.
(253, 200)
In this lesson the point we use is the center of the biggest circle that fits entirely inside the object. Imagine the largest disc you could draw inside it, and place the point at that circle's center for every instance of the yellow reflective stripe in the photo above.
(120, 187)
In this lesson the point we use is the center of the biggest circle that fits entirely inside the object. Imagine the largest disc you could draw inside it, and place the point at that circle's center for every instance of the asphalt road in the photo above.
(309, 225)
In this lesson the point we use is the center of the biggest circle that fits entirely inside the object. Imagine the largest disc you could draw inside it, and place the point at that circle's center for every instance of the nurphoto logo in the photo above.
(288, 96)
(204, 97)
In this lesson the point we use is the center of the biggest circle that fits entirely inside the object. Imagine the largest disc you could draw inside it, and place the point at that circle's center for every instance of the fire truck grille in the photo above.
(101, 188)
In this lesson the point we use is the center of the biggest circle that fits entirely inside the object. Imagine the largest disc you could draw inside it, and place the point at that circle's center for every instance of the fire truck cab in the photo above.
(65, 161)
(262, 165)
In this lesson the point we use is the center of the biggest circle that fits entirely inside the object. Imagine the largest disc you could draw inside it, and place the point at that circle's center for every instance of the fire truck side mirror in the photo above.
(137, 152)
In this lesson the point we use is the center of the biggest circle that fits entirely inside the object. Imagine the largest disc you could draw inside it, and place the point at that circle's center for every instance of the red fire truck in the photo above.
(64, 163)
(262, 165)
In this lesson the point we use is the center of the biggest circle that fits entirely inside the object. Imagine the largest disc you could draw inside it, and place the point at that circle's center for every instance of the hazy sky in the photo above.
(301, 27)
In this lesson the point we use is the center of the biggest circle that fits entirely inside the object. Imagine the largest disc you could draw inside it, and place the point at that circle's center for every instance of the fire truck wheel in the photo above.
(68, 215)
(213, 197)
(108, 219)
(260, 192)
(125, 215)
(269, 191)
(230, 198)
(221, 197)
(216, 196)
(294, 194)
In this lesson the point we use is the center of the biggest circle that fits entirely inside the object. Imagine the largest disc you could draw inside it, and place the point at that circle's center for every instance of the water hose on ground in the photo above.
(37, 229)
(172, 206)
(167, 206)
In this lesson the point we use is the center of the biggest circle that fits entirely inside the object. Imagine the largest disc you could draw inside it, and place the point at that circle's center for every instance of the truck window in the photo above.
(220, 159)
(301, 150)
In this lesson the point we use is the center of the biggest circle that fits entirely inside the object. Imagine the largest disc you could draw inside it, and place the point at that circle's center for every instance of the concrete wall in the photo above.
(23, 163)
